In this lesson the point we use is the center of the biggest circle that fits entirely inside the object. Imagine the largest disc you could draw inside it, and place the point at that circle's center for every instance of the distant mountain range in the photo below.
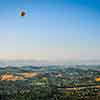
(4, 63)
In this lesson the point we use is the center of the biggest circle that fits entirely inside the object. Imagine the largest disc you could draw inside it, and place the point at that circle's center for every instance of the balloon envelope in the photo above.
(22, 13)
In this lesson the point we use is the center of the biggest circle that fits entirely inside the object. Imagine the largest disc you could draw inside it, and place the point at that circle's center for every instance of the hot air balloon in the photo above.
(22, 13)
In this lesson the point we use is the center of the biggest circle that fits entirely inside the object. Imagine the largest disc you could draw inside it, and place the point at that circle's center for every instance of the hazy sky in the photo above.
(51, 29)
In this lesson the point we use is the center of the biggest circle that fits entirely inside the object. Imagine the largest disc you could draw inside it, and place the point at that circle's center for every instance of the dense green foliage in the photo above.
(53, 83)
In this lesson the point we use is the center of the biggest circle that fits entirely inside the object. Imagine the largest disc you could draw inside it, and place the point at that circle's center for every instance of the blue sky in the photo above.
(51, 29)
